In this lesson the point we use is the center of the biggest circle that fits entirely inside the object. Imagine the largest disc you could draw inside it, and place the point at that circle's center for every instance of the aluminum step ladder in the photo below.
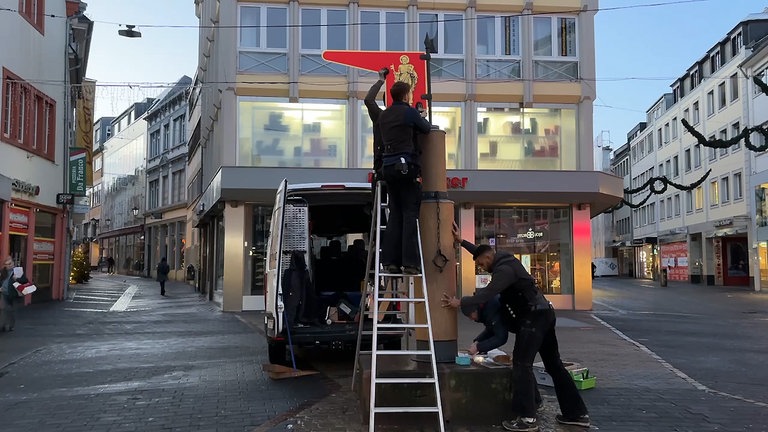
(383, 287)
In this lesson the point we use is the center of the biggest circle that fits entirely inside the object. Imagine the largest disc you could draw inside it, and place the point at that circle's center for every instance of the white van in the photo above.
(324, 227)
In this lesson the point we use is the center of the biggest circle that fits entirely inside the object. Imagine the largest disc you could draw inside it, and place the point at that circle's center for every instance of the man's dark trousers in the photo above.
(537, 334)
(400, 244)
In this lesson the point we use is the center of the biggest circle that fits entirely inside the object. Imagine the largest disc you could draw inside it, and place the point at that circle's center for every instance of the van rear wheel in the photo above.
(276, 352)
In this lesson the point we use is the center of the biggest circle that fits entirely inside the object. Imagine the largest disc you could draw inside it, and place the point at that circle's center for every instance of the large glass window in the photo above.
(382, 30)
(555, 37)
(262, 217)
(322, 29)
(526, 139)
(263, 46)
(498, 43)
(273, 134)
(447, 31)
(539, 237)
(447, 117)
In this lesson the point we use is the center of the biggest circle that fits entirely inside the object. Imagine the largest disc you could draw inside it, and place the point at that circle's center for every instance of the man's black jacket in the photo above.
(374, 111)
(497, 326)
(512, 282)
(398, 124)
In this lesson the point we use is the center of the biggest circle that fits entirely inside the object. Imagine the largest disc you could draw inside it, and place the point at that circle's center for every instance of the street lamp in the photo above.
(135, 211)
(129, 32)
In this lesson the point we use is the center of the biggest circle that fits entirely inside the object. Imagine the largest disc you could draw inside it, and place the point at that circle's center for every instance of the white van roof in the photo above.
(329, 186)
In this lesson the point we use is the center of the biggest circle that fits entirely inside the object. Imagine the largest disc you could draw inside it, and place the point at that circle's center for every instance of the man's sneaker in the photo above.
(582, 421)
(521, 425)
(392, 269)
(412, 270)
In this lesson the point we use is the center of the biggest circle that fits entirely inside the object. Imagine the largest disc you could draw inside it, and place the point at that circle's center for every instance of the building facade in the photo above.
(703, 234)
(123, 183)
(756, 65)
(621, 218)
(166, 198)
(36, 124)
(102, 131)
(507, 92)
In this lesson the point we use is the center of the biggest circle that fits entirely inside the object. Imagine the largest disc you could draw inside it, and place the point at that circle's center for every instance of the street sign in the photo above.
(65, 198)
(77, 171)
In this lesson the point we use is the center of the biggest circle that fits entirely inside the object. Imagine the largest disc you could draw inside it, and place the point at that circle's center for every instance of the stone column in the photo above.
(436, 220)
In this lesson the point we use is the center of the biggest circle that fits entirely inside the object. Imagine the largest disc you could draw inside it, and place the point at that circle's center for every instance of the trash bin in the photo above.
(663, 278)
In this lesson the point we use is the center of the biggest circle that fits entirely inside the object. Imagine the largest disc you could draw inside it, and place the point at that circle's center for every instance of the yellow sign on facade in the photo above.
(84, 126)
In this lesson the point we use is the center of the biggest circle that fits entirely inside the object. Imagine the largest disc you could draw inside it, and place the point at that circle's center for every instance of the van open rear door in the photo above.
(274, 300)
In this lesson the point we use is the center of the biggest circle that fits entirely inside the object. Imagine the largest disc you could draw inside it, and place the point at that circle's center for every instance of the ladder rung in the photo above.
(394, 312)
(432, 409)
(399, 275)
(404, 352)
(384, 332)
(427, 380)
(403, 325)
(401, 299)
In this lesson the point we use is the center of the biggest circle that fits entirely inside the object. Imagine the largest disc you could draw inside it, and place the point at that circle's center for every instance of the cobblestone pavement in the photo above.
(149, 364)
(133, 360)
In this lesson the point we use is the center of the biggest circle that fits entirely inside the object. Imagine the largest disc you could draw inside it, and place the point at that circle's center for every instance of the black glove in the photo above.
(383, 72)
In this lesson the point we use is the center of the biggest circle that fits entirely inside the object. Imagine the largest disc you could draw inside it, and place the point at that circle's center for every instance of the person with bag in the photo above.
(8, 277)
(401, 169)
(162, 274)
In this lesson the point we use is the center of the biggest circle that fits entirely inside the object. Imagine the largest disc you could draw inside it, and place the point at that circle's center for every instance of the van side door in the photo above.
(274, 295)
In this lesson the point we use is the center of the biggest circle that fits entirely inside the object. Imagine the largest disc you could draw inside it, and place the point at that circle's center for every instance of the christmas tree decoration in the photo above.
(81, 269)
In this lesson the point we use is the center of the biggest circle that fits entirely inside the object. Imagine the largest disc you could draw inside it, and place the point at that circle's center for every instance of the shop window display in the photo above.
(448, 118)
(526, 139)
(539, 237)
(277, 134)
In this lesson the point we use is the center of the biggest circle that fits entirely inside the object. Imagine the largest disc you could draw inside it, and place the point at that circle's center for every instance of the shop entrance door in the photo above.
(735, 261)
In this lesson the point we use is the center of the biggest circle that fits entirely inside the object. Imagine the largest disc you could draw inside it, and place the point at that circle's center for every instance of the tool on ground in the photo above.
(387, 298)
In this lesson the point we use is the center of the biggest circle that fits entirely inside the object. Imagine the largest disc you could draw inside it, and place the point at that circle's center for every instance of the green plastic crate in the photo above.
(583, 380)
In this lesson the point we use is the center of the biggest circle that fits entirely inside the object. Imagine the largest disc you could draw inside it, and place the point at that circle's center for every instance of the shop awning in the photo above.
(725, 232)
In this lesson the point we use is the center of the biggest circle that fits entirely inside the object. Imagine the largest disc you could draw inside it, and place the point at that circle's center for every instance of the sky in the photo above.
(654, 45)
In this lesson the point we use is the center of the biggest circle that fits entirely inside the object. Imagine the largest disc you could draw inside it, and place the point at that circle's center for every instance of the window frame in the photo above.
(269, 55)
(674, 128)
(31, 123)
(382, 38)
(714, 193)
(725, 189)
(34, 17)
(734, 84)
(722, 96)
(738, 186)
(687, 160)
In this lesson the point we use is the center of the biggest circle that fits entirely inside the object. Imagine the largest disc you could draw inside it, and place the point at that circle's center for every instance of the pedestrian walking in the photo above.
(401, 168)
(9, 293)
(162, 274)
(517, 290)
(110, 265)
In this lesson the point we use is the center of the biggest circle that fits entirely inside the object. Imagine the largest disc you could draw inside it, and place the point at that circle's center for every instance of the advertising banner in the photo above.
(78, 169)
(674, 257)
(84, 126)
(18, 220)
(43, 250)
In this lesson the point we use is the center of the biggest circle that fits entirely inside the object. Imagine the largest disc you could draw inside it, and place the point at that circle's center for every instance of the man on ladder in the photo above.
(401, 169)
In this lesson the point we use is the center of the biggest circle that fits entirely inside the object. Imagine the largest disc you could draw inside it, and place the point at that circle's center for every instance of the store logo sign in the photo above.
(531, 234)
(723, 222)
(25, 188)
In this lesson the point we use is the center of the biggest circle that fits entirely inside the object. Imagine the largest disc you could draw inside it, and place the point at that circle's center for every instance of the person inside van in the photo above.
(401, 169)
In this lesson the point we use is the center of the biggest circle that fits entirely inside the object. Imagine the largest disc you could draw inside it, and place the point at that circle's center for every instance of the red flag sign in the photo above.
(405, 66)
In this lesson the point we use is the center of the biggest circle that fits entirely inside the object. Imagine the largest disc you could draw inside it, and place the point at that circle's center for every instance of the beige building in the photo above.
(511, 87)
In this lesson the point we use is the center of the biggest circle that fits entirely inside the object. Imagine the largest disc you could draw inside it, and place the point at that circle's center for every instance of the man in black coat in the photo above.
(517, 291)
(402, 171)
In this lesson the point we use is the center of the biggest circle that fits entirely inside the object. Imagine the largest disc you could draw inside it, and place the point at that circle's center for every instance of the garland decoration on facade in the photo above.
(651, 185)
(716, 143)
